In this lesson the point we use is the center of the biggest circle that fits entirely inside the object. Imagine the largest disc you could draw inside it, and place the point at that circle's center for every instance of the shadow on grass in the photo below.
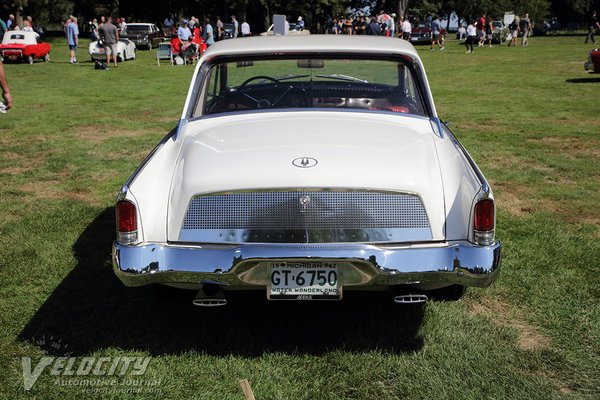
(584, 80)
(91, 310)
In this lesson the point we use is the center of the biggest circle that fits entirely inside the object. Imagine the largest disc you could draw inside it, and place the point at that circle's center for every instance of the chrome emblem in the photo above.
(305, 162)
(304, 202)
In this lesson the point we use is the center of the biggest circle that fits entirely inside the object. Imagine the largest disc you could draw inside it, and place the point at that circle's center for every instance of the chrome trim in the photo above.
(322, 235)
(484, 238)
(368, 266)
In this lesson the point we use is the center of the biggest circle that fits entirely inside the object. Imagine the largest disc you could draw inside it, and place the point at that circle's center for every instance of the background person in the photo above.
(406, 28)
(209, 33)
(489, 29)
(592, 25)
(10, 23)
(245, 29)
(73, 39)
(220, 29)
(436, 32)
(236, 26)
(524, 27)
(471, 36)
(514, 31)
(3, 28)
(110, 36)
(8, 103)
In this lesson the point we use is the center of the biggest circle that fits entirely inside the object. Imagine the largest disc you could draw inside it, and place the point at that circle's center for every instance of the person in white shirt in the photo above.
(471, 37)
(406, 28)
(245, 29)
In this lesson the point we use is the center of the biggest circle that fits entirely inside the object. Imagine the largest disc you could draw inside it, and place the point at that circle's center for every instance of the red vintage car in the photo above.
(593, 62)
(23, 46)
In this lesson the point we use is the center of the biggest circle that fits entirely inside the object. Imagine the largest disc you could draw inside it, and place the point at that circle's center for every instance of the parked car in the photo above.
(24, 46)
(293, 31)
(593, 62)
(228, 29)
(125, 50)
(500, 32)
(422, 33)
(144, 35)
(308, 167)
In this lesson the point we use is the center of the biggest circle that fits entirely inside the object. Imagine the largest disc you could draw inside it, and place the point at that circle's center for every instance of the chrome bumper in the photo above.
(247, 266)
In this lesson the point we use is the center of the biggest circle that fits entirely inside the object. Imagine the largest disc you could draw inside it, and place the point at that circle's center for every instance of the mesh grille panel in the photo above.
(306, 210)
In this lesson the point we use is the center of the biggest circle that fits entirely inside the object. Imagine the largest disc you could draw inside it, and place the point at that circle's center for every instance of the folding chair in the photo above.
(163, 52)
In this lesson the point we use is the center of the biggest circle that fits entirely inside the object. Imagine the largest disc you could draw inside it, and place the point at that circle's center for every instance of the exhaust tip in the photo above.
(210, 295)
(209, 302)
(410, 299)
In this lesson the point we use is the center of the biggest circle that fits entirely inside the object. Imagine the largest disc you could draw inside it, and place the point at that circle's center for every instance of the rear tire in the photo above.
(30, 59)
(47, 58)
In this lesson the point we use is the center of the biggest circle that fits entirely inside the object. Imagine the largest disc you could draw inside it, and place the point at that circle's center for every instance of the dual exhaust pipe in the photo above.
(212, 295)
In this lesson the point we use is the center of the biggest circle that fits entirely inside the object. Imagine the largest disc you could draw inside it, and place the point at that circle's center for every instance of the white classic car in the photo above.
(307, 167)
(125, 50)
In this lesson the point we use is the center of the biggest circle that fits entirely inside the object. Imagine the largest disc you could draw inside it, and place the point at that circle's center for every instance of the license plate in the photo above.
(101, 50)
(304, 281)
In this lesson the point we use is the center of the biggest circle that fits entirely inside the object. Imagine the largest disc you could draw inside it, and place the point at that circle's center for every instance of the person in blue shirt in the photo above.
(10, 22)
(73, 39)
(436, 33)
(209, 33)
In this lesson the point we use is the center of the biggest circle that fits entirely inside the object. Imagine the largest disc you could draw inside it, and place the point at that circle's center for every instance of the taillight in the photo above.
(483, 222)
(126, 222)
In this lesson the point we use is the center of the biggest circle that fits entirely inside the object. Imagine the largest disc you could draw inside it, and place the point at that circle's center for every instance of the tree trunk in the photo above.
(402, 8)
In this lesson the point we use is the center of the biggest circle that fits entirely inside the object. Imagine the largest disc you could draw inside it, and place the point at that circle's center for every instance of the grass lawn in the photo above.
(530, 118)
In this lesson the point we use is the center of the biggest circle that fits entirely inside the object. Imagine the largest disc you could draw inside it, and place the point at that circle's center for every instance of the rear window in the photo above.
(382, 85)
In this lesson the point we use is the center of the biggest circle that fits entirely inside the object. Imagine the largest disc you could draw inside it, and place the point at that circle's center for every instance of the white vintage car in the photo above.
(308, 167)
(125, 50)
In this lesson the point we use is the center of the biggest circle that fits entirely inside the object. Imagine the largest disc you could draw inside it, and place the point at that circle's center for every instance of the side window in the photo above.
(214, 89)
(406, 81)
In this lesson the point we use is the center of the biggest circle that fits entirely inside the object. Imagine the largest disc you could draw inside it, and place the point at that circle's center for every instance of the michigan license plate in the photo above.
(304, 281)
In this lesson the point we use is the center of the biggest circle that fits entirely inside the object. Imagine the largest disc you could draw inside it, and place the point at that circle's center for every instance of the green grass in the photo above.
(529, 116)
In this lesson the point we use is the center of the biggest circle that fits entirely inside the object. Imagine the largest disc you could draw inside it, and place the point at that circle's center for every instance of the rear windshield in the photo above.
(382, 85)
(138, 29)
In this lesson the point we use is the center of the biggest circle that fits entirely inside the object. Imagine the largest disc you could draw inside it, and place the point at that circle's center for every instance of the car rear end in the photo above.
(307, 203)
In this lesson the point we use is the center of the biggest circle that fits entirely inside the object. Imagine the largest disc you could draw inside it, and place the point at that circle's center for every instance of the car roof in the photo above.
(140, 24)
(339, 44)
(24, 37)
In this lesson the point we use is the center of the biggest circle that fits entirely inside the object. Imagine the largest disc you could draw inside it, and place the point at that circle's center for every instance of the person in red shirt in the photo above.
(481, 30)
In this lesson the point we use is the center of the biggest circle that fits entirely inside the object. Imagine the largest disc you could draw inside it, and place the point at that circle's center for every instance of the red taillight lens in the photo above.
(126, 216)
(484, 215)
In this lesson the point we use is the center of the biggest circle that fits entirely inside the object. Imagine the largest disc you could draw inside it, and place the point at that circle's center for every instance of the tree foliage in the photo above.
(259, 12)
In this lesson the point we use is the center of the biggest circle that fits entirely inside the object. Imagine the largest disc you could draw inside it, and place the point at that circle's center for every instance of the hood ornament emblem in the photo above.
(304, 162)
